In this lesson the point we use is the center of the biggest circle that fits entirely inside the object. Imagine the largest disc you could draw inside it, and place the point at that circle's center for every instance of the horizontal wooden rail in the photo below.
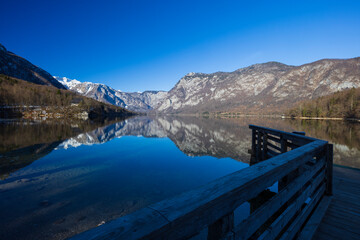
(212, 206)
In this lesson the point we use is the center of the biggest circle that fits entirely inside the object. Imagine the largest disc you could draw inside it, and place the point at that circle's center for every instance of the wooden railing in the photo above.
(301, 167)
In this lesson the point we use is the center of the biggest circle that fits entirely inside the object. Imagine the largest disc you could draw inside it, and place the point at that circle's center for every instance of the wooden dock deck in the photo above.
(342, 218)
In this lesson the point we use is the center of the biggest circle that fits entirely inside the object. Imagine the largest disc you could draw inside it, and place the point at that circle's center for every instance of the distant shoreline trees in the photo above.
(342, 104)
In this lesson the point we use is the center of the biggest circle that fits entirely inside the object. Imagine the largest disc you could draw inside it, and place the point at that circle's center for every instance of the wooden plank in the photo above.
(272, 153)
(275, 139)
(293, 145)
(258, 147)
(277, 226)
(299, 133)
(329, 169)
(221, 228)
(329, 234)
(339, 222)
(265, 142)
(132, 226)
(283, 143)
(253, 141)
(300, 219)
(248, 227)
(311, 226)
(342, 218)
(274, 146)
(287, 135)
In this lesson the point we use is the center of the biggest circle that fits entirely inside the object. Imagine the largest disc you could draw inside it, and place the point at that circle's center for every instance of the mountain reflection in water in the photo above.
(219, 138)
(59, 178)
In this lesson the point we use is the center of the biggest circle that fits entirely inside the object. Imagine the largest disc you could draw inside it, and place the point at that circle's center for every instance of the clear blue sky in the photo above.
(149, 45)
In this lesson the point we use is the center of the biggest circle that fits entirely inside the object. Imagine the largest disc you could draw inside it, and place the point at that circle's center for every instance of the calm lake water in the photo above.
(61, 178)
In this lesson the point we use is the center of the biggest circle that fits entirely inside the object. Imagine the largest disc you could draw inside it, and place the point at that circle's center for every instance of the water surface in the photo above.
(61, 178)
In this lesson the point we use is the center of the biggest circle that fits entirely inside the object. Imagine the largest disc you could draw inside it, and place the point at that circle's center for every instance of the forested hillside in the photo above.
(15, 92)
(343, 104)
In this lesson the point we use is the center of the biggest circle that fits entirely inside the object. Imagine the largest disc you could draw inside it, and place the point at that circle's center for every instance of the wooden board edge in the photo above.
(313, 223)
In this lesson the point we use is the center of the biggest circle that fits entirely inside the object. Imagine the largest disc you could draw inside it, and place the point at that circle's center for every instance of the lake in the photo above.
(59, 178)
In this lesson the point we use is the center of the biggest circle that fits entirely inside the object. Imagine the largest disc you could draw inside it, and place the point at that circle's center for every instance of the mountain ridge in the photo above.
(18, 67)
(260, 87)
(134, 101)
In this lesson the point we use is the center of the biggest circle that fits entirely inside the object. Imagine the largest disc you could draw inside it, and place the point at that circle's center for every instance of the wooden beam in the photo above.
(131, 226)
(248, 227)
(311, 226)
(300, 133)
(329, 169)
(288, 135)
(275, 139)
(264, 151)
(278, 225)
(274, 146)
(294, 228)
(221, 228)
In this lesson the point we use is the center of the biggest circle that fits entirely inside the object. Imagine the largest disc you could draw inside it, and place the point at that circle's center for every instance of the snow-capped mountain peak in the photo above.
(67, 82)
(137, 101)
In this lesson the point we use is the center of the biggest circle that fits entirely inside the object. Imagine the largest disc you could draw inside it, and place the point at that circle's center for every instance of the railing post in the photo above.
(258, 146)
(329, 169)
(253, 142)
(283, 143)
(264, 152)
(222, 228)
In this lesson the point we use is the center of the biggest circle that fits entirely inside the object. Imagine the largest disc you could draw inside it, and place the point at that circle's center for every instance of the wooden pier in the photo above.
(299, 167)
(342, 218)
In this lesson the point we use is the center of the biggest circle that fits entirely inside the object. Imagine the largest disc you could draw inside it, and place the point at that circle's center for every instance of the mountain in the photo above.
(15, 66)
(139, 102)
(267, 87)
(21, 98)
(270, 87)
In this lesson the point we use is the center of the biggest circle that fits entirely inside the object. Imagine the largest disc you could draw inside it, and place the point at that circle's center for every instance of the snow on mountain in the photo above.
(67, 82)
(262, 87)
(267, 87)
(137, 101)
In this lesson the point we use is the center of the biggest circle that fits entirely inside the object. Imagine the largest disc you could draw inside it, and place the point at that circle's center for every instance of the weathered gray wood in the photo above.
(248, 227)
(274, 146)
(221, 228)
(275, 139)
(313, 223)
(265, 141)
(278, 225)
(287, 135)
(272, 153)
(132, 226)
(253, 142)
(300, 133)
(341, 220)
(300, 219)
(283, 143)
(258, 147)
(329, 169)
(292, 145)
